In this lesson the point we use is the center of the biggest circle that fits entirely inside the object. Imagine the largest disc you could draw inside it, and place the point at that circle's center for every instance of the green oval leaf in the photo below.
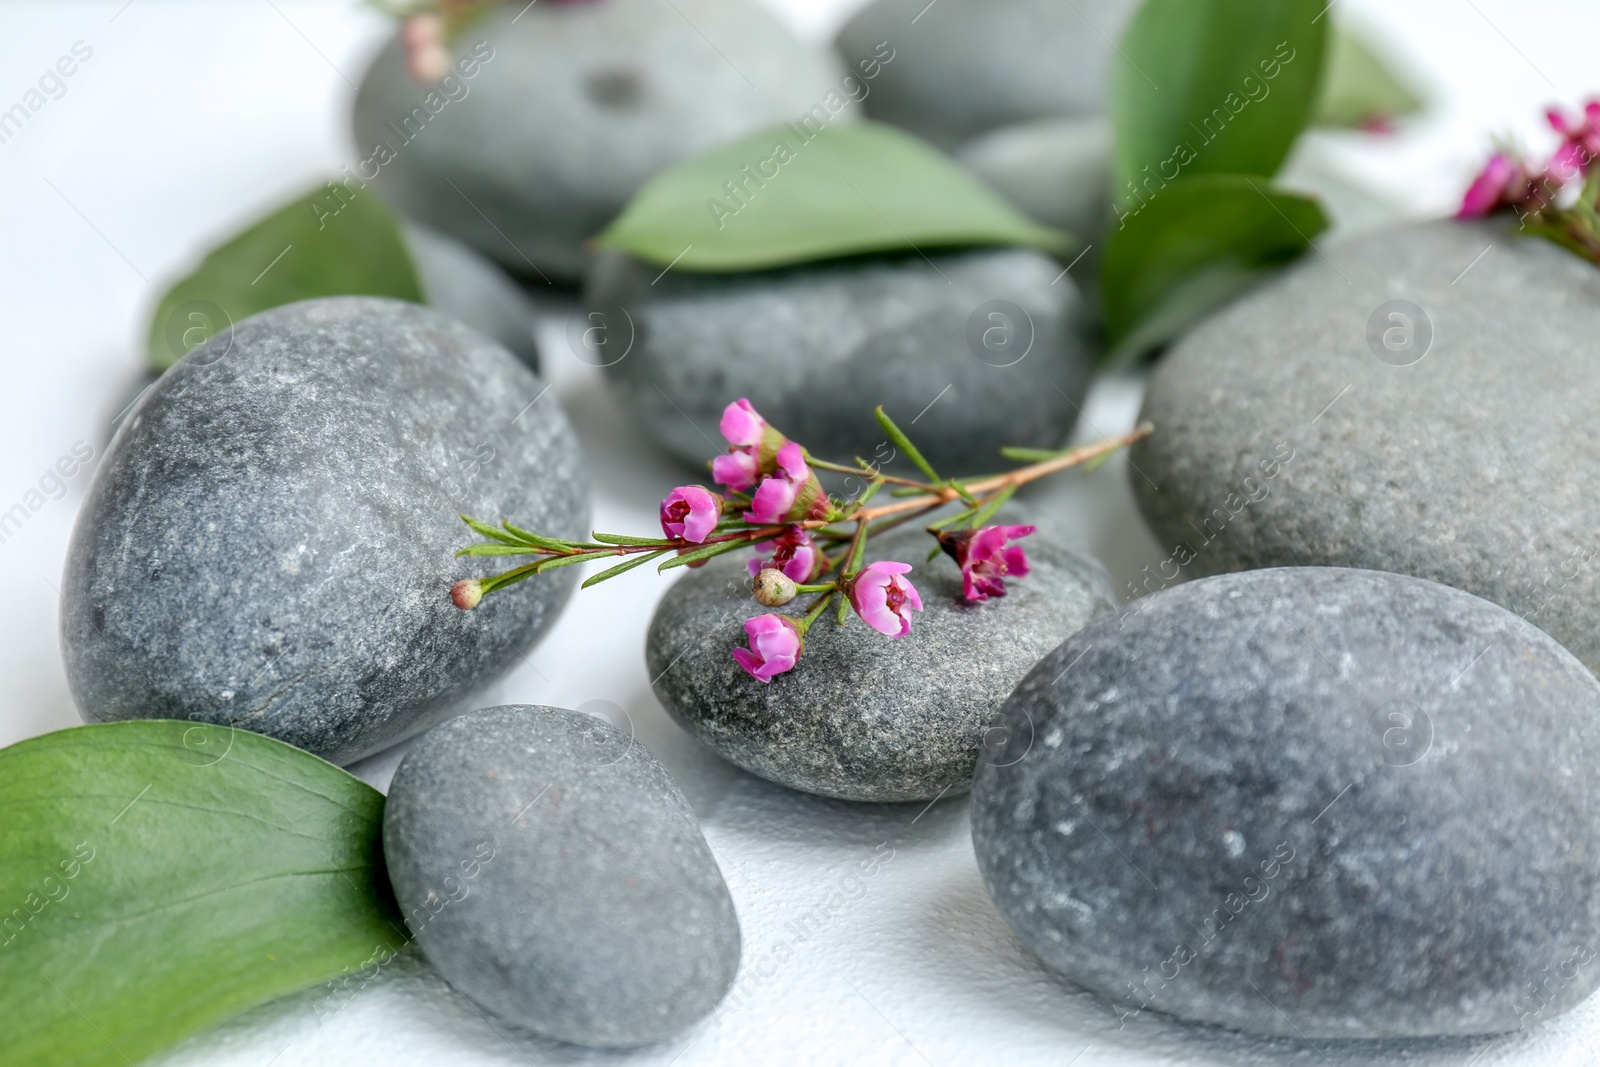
(794, 194)
(1193, 246)
(158, 876)
(1212, 87)
(1359, 88)
(325, 243)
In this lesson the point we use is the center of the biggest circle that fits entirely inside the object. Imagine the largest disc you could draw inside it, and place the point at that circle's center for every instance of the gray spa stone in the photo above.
(269, 543)
(556, 114)
(969, 351)
(551, 870)
(1465, 455)
(963, 67)
(466, 286)
(1056, 171)
(1313, 802)
(864, 717)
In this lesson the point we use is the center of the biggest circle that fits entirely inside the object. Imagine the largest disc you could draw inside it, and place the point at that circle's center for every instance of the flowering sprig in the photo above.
(774, 502)
(427, 27)
(1557, 200)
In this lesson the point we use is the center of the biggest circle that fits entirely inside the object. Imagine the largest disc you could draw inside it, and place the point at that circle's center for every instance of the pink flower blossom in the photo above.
(775, 646)
(1489, 188)
(422, 39)
(986, 560)
(753, 445)
(742, 425)
(690, 512)
(882, 598)
(788, 493)
(793, 553)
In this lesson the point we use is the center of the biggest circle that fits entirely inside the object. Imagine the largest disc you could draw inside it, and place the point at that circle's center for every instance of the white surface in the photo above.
(192, 116)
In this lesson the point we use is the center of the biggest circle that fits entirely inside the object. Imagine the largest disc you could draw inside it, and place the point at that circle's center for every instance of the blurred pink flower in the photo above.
(1489, 188)
(690, 512)
(882, 598)
(986, 560)
(748, 437)
(793, 553)
(775, 646)
(736, 470)
(422, 38)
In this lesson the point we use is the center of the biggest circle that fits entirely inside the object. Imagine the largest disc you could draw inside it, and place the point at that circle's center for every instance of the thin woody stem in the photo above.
(1020, 476)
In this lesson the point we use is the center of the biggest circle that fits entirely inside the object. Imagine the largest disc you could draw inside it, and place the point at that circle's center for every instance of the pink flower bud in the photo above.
(790, 494)
(793, 553)
(985, 558)
(775, 646)
(736, 470)
(422, 37)
(690, 512)
(742, 425)
(1489, 188)
(883, 599)
(467, 594)
(773, 588)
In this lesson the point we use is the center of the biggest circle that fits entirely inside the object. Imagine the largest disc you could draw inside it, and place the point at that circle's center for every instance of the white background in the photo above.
(192, 117)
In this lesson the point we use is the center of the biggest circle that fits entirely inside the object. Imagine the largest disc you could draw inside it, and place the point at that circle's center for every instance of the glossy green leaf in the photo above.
(321, 244)
(1191, 248)
(1358, 88)
(1212, 87)
(159, 876)
(794, 194)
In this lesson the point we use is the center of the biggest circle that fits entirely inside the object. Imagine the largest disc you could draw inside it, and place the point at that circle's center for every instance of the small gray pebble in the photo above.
(270, 541)
(1464, 454)
(863, 716)
(967, 351)
(568, 109)
(964, 67)
(551, 871)
(1312, 802)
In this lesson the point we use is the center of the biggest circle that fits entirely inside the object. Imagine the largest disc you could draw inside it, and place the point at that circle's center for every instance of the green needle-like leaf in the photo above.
(903, 443)
(160, 876)
(702, 553)
(488, 531)
(623, 539)
(623, 568)
(989, 510)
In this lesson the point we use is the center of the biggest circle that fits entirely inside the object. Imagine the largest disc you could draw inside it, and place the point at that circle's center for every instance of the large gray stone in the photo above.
(551, 870)
(1474, 465)
(269, 543)
(969, 351)
(963, 67)
(1308, 801)
(863, 716)
(562, 111)
(1056, 171)
(466, 286)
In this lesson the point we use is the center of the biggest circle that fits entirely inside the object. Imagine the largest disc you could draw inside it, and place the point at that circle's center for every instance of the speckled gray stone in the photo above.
(863, 716)
(963, 67)
(466, 286)
(1057, 171)
(269, 542)
(815, 348)
(1312, 802)
(1473, 466)
(551, 870)
(569, 109)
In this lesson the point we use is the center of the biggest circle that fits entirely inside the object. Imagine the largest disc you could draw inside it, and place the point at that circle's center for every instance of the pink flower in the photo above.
(789, 493)
(881, 597)
(1488, 189)
(742, 425)
(736, 470)
(775, 645)
(690, 512)
(793, 553)
(753, 447)
(422, 38)
(986, 560)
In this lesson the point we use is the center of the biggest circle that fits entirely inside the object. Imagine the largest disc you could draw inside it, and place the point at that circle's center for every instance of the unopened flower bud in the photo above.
(467, 594)
(773, 588)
